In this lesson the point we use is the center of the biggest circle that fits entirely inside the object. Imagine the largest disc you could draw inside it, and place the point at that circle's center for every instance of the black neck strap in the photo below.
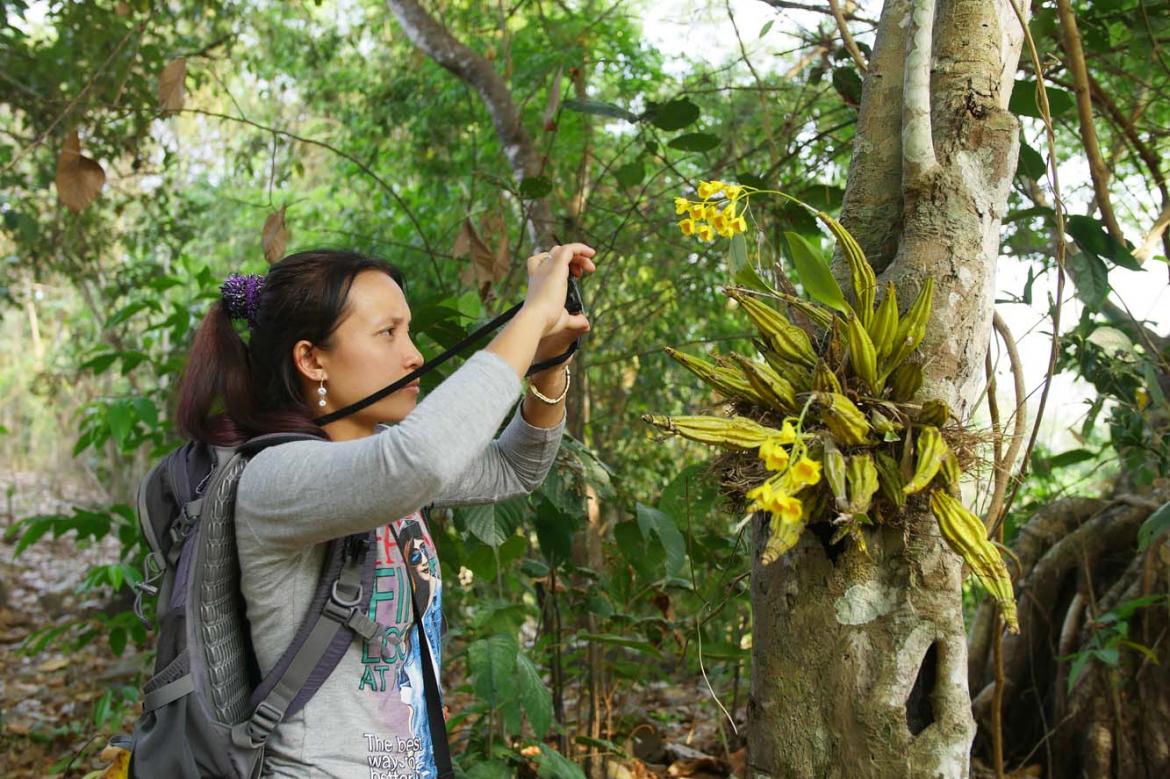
(442, 358)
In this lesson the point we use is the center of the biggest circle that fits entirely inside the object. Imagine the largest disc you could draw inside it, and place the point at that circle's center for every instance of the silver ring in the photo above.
(545, 256)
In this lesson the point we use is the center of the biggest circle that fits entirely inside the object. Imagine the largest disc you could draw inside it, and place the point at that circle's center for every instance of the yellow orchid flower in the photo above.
(697, 210)
(709, 189)
(681, 204)
(738, 225)
(760, 496)
(729, 212)
(733, 191)
(787, 434)
(720, 222)
(774, 455)
(805, 472)
(705, 232)
(788, 508)
(687, 226)
(710, 212)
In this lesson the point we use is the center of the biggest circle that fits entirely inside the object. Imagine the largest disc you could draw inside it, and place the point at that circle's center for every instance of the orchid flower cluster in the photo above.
(792, 470)
(717, 212)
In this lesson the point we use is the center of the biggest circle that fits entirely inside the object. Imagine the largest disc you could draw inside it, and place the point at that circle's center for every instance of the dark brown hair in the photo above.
(231, 390)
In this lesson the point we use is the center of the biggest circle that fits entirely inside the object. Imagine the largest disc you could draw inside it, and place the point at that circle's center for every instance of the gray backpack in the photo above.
(206, 712)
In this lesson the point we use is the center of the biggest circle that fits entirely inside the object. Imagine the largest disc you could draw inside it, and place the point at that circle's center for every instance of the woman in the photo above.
(326, 329)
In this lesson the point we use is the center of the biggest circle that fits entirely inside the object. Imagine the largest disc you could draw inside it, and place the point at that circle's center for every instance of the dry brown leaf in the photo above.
(487, 267)
(79, 179)
(119, 760)
(554, 101)
(171, 89)
(55, 664)
(274, 237)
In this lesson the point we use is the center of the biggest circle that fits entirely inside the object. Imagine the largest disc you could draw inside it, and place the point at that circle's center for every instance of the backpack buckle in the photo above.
(344, 603)
(263, 721)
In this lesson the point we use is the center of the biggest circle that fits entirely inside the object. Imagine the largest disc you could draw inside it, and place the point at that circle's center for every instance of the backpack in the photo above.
(206, 711)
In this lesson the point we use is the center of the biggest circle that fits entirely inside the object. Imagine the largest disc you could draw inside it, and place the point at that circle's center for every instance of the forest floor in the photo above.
(54, 722)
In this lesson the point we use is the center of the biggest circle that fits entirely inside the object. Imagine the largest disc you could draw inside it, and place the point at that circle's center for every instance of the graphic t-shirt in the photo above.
(392, 670)
(368, 719)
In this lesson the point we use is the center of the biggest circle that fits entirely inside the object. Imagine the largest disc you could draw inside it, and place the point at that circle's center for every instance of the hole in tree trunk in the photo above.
(824, 533)
(919, 712)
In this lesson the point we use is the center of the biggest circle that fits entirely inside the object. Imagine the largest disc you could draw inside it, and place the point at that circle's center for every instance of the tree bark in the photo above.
(876, 683)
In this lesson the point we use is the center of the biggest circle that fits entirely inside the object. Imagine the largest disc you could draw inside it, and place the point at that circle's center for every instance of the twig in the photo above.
(847, 37)
(77, 98)
(340, 153)
(1097, 170)
(1004, 466)
(1061, 249)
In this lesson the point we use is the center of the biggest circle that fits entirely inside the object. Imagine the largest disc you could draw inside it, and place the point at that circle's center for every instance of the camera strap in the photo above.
(573, 305)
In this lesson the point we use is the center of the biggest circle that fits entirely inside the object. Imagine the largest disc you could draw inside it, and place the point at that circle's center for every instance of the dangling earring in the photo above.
(321, 392)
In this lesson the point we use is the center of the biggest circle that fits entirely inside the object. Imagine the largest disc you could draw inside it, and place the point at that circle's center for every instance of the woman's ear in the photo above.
(308, 359)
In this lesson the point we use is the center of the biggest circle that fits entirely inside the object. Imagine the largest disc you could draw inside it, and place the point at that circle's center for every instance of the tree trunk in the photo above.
(860, 662)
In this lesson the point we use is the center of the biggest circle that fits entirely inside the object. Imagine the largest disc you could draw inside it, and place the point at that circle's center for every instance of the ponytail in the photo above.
(216, 396)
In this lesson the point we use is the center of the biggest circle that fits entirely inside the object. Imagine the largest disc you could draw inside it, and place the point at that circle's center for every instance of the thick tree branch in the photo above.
(872, 209)
(438, 43)
(918, 158)
(1097, 169)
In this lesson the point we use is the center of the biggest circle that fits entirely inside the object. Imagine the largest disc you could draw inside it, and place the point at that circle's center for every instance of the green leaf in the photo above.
(100, 363)
(673, 115)
(554, 532)
(692, 492)
(1024, 102)
(814, 273)
(1031, 163)
(117, 641)
(126, 312)
(551, 764)
(631, 174)
(1092, 279)
(659, 523)
(534, 696)
(767, 26)
(146, 411)
(848, 84)
(742, 272)
(481, 523)
(490, 770)
(493, 662)
(535, 187)
(121, 421)
(1091, 235)
(1154, 526)
(694, 142)
(598, 108)
(630, 643)
(632, 546)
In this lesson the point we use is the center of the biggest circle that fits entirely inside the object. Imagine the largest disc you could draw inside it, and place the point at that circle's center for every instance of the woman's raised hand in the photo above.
(548, 285)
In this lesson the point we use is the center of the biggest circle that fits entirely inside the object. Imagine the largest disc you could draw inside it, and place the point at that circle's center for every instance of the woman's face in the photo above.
(371, 348)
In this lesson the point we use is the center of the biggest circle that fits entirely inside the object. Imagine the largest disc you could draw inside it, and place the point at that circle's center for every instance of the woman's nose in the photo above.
(416, 357)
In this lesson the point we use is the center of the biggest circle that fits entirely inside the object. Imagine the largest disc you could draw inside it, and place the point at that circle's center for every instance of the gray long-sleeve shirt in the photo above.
(369, 718)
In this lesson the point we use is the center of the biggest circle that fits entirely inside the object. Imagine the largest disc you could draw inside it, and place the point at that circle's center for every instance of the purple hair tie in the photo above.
(241, 295)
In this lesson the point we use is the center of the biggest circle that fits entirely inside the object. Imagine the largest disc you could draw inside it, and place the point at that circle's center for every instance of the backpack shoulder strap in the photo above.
(333, 619)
